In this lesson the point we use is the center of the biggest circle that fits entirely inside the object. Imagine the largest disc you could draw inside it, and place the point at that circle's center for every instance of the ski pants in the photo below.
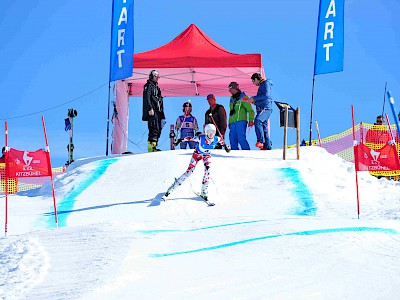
(196, 157)
(154, 125)
(261, 125)
(237, 135)
(191, 144)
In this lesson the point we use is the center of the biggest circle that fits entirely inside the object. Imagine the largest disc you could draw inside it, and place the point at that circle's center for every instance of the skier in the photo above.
(187, 125)
(204, 144)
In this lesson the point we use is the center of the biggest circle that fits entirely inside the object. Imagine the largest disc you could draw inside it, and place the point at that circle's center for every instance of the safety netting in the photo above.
(15, 185)
(373, 136)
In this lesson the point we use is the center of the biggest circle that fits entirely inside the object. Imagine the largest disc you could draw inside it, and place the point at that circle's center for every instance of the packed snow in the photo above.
(280, 229)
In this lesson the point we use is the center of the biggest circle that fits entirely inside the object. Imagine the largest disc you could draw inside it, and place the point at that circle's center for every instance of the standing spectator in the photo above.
(240, 114)
(3, 155)
(216, 115)
(378, 135)
(187, 124)
(263, 103)
(153, 110)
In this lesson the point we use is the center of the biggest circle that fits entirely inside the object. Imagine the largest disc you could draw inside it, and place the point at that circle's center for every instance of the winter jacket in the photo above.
(263, 99)
(219, 116)
(239, 110)
(152, 99)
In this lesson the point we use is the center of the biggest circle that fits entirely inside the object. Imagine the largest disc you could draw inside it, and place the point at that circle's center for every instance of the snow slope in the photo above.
(279, 230)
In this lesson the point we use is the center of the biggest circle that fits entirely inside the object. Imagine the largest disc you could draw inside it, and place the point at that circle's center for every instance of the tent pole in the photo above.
(194, 81)
(108, 117)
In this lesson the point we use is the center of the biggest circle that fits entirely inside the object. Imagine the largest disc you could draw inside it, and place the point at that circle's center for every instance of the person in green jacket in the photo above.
(241, 113)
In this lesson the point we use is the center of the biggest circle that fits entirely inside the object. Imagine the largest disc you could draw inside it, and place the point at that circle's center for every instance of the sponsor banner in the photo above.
(384, 159)
(27, 164)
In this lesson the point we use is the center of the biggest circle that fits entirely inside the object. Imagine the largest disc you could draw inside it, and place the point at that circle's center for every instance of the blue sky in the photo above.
(54, 54)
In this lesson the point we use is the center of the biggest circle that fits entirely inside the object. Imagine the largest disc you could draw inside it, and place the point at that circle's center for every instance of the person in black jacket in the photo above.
(153, 110)
(216, 115)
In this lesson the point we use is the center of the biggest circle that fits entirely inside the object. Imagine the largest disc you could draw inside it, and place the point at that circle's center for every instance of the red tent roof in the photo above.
(193, 48)
(193, 64)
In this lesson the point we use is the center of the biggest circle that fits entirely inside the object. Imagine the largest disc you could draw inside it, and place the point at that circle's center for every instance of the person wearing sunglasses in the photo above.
(241, 114)
(263, 103)
(187, 125)
(153, 110)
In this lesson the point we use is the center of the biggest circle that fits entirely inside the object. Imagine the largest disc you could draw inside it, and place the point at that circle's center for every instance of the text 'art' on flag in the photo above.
(121, 52)
(330, 37)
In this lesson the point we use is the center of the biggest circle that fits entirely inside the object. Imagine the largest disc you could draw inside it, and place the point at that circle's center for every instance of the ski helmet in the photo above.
(210, 129)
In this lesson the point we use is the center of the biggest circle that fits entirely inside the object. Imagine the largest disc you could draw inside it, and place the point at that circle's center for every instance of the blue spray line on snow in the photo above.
(197, 229)
(307, 232)
(65, 206)
(300, 190)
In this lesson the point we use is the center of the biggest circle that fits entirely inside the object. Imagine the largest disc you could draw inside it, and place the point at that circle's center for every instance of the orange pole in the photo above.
(355, 147)
(50, 171)
(6, 178)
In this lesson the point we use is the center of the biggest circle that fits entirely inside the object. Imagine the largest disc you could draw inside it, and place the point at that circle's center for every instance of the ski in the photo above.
(205, 199)
(172, 136)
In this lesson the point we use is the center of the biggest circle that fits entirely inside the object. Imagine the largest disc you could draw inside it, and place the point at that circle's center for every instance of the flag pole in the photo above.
(384, 100)
(391, 101)
(312, 104)
(313, 79)
(108, 117)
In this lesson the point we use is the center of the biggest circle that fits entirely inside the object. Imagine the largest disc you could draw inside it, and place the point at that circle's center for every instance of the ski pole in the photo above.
(216, 125)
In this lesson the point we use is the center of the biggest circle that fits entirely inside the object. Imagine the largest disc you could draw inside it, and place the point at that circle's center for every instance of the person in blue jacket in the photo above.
(187, 125)
(204, 144)
(263, 103)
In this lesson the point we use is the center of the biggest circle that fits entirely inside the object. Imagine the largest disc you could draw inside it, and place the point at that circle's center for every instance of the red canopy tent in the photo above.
(192, 64)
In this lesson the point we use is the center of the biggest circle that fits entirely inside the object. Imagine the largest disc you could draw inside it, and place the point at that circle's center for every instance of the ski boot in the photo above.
(151, 147)
(170, 190)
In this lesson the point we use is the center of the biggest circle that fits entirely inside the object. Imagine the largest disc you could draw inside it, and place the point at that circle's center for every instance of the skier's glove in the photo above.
(177, 142)
(198, 133)
(227, 148)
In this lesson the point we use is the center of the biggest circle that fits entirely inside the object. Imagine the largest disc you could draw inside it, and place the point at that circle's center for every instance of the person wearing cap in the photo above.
(263, 103)
(216, 115)
(187, 125)
(153, 110)
(241, 113)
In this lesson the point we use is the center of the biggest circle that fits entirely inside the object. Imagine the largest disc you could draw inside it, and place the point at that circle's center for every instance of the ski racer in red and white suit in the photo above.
(204, 144)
